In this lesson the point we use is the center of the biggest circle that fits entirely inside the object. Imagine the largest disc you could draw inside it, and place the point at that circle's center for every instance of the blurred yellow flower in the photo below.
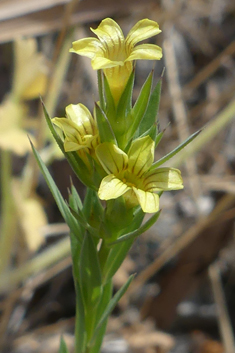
(115, 54)
(29, 81)
(129, 175)
(12, 135)
(30, 70)
(80, 130)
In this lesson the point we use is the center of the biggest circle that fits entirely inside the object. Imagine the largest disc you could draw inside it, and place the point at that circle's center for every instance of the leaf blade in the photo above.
(140, 105)
(64, 209)
(134, 234)
(175, 151)
(113, 302)
(63, 347)
(150, 115)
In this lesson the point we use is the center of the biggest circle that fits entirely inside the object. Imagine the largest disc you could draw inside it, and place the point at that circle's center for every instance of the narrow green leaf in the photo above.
(80, 327)
(78, 216)
(92, 208)
(63, 347)
(75, 253)
(52, 129)
(64, 209)
(115, 259)
(159, 137)
(90, 273)
(76, 198)
(106, 296)
(152, 110)
(104, 126)
(137, 220)
(110, 108)
(125, 103)
(97, 212)
(83, 223)
(97, 339)
(152, 132)
(101, 89)
(175, 151)
(113, 302)
(140, 106)
(137, 232)
(88, 202)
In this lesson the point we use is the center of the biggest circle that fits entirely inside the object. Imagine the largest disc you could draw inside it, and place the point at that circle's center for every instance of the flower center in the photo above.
(130, 180)
(128, 183)
(118, 52)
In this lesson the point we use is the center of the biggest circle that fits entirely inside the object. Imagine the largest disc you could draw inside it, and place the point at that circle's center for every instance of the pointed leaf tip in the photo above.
(63, 347)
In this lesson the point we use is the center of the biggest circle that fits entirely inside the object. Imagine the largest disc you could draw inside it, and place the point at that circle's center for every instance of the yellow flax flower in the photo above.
(115, 54)
(129, 175)
(80, 130)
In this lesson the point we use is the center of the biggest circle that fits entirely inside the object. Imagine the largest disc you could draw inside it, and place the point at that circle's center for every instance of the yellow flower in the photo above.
(30, 70)
(129, 175)
(115, 54)
(80, 130)
(13, 136)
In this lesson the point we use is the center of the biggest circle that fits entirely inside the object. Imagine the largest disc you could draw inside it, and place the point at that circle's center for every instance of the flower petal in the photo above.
(81, 116)
(131, 199)
(68, 127)
(148, 201)
(111, 36)
(111, 188)
(163, 179)
(87, 47)
(141, 155)
(142, 30)
(112, 158)
(145, 52)
(99, 62)
(70, 146)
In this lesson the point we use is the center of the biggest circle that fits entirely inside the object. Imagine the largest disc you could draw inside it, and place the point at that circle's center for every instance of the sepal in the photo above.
(150, 116)
(104, 126)
(110, 107)
(117, 217)
(100, 81)
(138, 111)
(123, 110)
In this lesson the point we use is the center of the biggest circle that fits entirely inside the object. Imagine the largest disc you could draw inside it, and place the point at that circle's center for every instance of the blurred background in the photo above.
(182, 299)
